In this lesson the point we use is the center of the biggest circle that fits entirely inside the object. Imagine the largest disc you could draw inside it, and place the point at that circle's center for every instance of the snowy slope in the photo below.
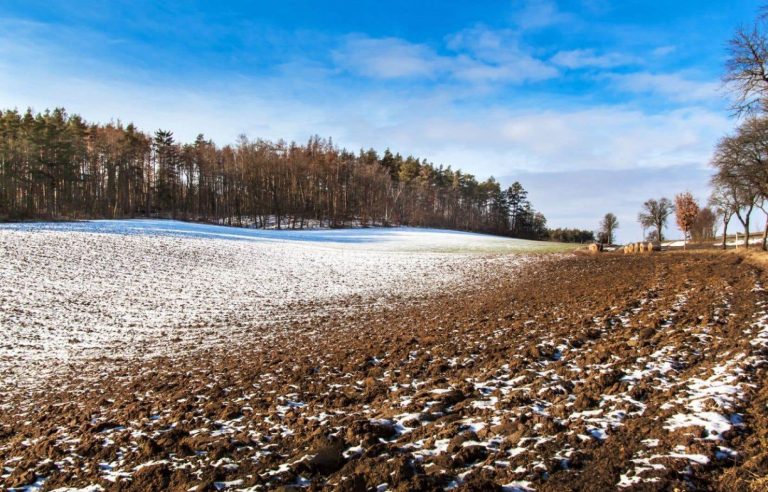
(376, 238)
(124, 289)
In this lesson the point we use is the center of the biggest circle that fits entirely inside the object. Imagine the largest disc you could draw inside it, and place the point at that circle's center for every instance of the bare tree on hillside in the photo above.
(655, 214)
(741, 161)
(607, 227)
(724, 207)
(744, 199)
(753, 170)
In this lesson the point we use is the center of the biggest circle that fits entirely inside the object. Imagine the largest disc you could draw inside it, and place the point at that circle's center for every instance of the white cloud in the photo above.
(388, 58)
(663, 51)
(495, 55)
(483, 140)
(476, 55)
(588, 58)
(497, 142)
(672, 86)
(535, 14)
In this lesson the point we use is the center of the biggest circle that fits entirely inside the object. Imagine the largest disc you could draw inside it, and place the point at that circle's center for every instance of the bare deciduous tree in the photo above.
(724, 207)
(655, 214)
(741, 161)
(608, 225)
(746, 75)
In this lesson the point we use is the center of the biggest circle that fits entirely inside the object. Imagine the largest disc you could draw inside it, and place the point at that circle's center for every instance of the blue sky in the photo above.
(594, 105)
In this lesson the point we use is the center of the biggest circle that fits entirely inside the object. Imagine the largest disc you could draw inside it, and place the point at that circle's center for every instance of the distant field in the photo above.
(405, 239)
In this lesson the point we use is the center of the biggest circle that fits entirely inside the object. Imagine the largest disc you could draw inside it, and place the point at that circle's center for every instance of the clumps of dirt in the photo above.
(587, 373)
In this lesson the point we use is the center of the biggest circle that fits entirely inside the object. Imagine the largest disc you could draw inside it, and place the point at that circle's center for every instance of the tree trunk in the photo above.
(744, 223)
(746, 234)
(765, 234)
(725, 231)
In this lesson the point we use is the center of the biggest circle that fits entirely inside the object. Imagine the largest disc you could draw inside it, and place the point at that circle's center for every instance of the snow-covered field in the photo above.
(404, 239)
(143, 288)
(598, 372)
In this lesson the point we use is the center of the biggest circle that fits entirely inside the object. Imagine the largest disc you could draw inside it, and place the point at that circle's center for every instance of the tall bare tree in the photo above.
(746, 74)
(608, 226)
(722, 202)
(655, 214)
(741, 162)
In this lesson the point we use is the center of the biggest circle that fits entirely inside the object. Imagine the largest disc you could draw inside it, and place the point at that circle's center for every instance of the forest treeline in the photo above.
(54, 165)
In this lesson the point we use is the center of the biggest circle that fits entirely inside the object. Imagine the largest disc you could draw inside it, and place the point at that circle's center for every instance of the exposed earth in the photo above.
(572, 372)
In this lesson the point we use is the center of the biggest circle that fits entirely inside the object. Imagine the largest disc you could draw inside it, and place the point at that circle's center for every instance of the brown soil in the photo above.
(564, 379)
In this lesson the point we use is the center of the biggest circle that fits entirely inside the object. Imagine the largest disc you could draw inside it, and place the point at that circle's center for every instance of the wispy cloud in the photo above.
(569, 139)
(475, 55)
(535, 14)
(662, 51)
(671, 86)
(388, 58)
(585, 58)
(495, 55)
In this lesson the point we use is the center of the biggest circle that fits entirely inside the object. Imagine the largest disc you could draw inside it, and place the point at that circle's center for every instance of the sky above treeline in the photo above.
(595, 106)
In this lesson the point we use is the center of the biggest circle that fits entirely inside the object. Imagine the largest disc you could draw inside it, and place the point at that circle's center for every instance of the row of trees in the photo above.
(740, 182)
(55, 165)
(696, 222)
(566, 235)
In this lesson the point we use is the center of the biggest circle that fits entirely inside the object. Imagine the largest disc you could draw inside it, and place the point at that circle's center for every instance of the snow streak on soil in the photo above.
(124, 289)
